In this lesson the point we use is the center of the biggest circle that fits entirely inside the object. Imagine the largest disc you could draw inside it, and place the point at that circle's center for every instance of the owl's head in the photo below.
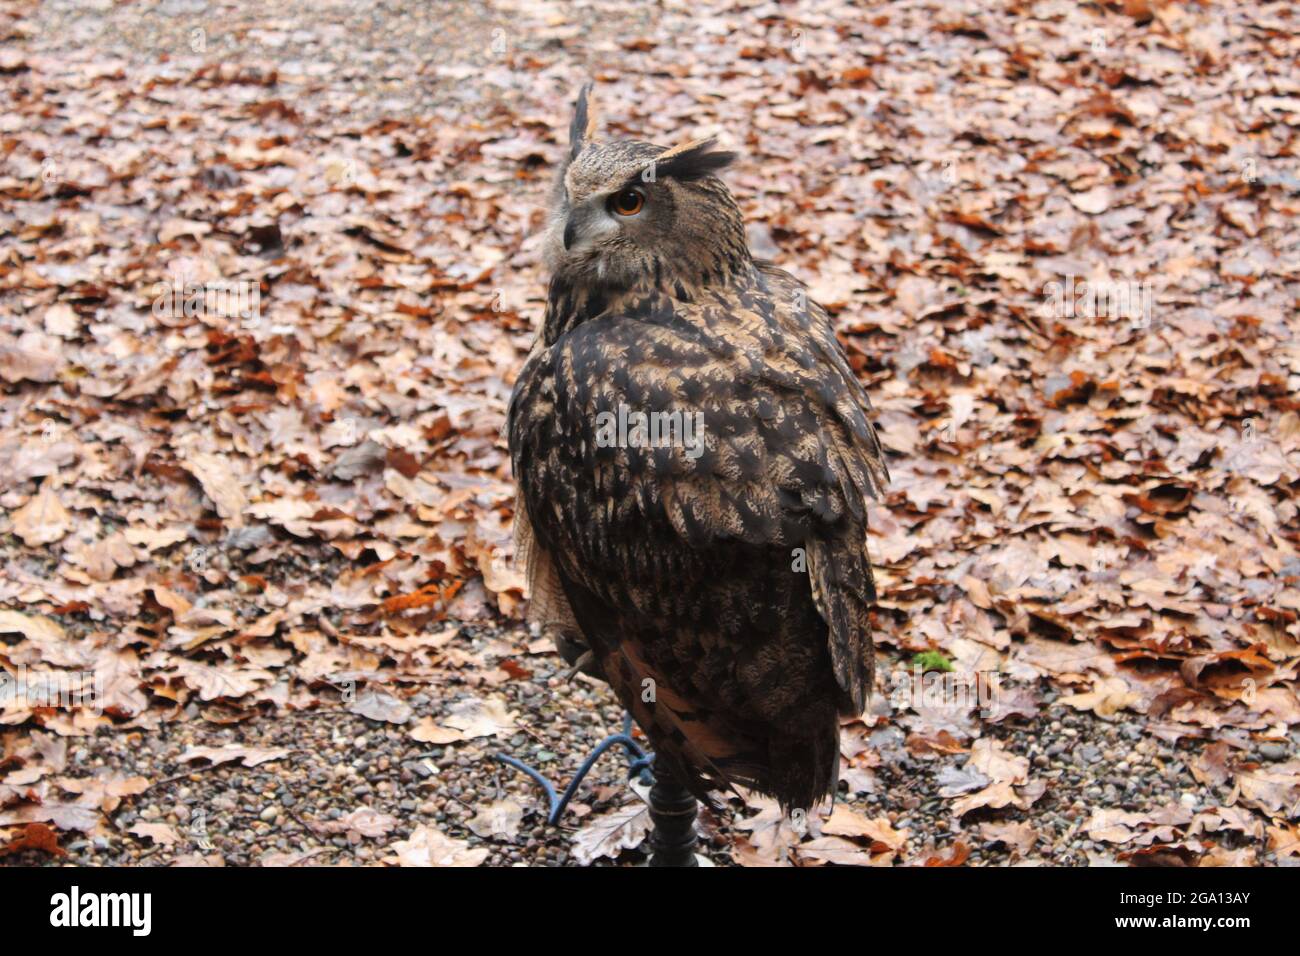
(629, 212)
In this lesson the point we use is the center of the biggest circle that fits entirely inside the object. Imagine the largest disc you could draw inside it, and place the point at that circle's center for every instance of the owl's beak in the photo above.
(587, 224)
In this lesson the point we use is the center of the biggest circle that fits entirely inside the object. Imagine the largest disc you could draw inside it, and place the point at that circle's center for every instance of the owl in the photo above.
(693, 458)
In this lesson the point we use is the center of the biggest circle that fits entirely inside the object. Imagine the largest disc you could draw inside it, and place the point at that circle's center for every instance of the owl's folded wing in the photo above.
(769, 444)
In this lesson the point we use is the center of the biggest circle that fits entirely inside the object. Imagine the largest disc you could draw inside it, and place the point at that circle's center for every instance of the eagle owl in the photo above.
(694, 457)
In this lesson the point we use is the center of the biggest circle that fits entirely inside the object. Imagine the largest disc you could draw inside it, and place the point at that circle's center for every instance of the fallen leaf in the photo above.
(35, 836)
(1108, 697)
(248, 756)
(378, 705)
(499, 820)
(219, 483)
(611, 833)
(43, 520)
(159, 833)
(429, 847)
(364, 821)
(480, 718)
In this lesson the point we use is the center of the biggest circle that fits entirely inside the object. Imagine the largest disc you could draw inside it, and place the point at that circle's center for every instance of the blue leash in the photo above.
(639, 765)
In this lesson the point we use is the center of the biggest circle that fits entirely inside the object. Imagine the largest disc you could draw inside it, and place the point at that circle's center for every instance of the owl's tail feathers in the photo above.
(802, 771)
(694, 745)
(706, 752)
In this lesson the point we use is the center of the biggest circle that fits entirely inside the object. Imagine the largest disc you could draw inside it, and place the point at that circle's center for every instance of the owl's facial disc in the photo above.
(629, 212)
(603, 216)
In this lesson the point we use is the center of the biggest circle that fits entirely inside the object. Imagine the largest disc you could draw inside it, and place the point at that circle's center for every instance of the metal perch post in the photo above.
(672, 811)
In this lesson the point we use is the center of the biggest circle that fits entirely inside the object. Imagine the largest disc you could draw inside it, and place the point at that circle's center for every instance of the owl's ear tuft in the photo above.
(693, 160)
(582, 130)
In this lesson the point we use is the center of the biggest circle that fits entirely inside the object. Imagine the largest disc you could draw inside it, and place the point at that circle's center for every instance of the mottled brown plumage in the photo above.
(721, 586)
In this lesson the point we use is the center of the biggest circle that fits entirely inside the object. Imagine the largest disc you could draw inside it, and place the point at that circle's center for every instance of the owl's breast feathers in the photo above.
(712, 554)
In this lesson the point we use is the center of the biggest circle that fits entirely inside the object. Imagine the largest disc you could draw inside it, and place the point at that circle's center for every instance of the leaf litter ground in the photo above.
(280, 548)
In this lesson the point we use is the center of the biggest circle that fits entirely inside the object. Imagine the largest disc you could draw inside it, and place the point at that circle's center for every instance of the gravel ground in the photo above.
(280, 812)
(395, 57)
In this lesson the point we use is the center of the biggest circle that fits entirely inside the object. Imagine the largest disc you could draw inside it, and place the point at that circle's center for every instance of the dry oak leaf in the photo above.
(175, 228)
(845, 822)
(1284, 840)
(957, 854)
(62, 321)
(771, 834)
(228, 681)
(33, 357)
(992, 759)
(1222, 856)
(841, 852)
(427, 731)
(1017, 836)
(152, 540)
(36, 836)
(219, 483)
(1274, 790)
(1108, 697)
(117, 672)
(999, 795)
(42, 632)
(1227, 818)
(1095, 201)
(1114, 826)
(1158, 826)
(1211, 767)
(160, 833)
(378, 705)
(43, 520)
(65, 816)
(248, 756)
(480, 718)
(611, 833)
(103, 557)
(106, 792)
(363, 821)
(499, 820)
(430, 847)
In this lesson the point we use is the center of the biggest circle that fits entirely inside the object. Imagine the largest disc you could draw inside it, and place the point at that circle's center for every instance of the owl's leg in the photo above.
(672, 811)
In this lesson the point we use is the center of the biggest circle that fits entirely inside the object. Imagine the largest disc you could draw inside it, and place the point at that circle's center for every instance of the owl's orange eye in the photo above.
(628, 202)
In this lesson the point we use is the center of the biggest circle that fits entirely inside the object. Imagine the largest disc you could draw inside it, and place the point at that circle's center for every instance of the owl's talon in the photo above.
(583, 665)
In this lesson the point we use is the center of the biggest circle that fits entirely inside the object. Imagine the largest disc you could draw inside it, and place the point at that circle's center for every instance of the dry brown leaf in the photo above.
(847, 822)
(430, 847)
(43, 520)
(363, 821)
(480, 718)
(219, 483)
(1108, 697)
(498, 820)
(610, 833)
(248, 756)
(35, 836)
(841, 852)
(160, 833)
(381, 706)
(427, 731)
